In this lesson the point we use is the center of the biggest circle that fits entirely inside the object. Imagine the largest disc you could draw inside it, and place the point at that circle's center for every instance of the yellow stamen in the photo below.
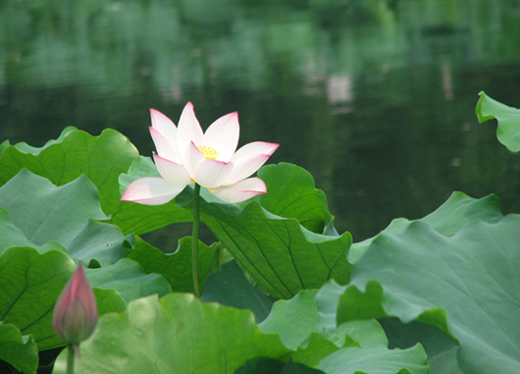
(208, 152)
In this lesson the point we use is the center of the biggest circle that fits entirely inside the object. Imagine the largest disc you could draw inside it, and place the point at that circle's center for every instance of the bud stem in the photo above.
(70, 358)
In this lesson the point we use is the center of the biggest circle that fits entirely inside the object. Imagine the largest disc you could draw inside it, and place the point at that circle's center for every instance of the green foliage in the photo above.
(239, 291)
(175, 267)
(508, 130)
(465, 284)
(292, 194)
(176, 334)
(376, 361)
(61, 214)
(19, 351)
(278, 251)
(440, 291)
(129, 279)
(30, 284)
(102, 159)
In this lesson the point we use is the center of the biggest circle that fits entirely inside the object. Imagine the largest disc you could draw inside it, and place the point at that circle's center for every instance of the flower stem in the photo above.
(195, 240)
(70, 359)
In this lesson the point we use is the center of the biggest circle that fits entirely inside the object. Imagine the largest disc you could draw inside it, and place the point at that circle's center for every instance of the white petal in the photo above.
(164, 147)
(192, 159)
(255, 148)
(151, 191)
(223, 135)
(245, 167)
(212, 173)
(173, 173)
(164, 125)
(189, 129)
(240, 191)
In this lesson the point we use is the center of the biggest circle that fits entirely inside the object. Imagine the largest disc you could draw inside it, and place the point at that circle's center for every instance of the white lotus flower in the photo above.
(187, 155)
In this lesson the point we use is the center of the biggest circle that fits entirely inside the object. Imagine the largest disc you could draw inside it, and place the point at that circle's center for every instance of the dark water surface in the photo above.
(375, 98)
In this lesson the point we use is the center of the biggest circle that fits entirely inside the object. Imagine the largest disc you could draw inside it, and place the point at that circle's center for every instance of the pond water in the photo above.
(375, 98)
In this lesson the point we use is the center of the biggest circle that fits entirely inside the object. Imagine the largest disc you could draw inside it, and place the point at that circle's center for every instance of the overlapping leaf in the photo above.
(291, 193)
(17, 350)
(101, 158)
(30, 284)
(129, 279)
(264, 365)
(304, 326)
(229, 286)
(376, 361)
(508, 130)
(176, 334)
(175, 267)
(465, 284)
(62, 214)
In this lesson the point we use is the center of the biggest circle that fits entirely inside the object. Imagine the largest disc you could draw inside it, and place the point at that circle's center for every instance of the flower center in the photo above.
(208, 152)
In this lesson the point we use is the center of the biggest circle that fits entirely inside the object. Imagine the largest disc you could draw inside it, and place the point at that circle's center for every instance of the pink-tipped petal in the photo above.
(193, 157)
(223, 136)
(189, 129)
(212, 173)
(164, 147)
(245, 167)
(151, 191)
(164, 125)
(255, 148)
(240, 191)
(173, 172)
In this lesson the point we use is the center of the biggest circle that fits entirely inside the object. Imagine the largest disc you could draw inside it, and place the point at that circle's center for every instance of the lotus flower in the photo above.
(187, 155)
(75, 313)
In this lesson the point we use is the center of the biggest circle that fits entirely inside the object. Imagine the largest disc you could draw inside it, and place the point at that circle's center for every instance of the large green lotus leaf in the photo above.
(44, 212)
(457, 212)
(466, 284)
(141, 219)
(229, 286)
(30, 284)
(279, 253)
(101, 158)
(128, 278)
(176, 334)
(508, 130)
(291, 193)
(26, 148)
(175, 267)
(378, 360)
(19, 351)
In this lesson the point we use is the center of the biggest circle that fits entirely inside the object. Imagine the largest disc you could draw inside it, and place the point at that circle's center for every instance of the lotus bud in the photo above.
(75, 313)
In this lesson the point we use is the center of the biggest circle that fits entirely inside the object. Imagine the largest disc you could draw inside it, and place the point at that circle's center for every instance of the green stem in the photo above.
(195, 240)
(70, 359)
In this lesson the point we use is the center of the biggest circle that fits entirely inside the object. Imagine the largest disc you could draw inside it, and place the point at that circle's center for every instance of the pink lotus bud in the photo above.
(75, 313)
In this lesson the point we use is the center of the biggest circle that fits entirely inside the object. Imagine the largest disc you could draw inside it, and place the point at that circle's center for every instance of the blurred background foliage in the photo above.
(375, 98)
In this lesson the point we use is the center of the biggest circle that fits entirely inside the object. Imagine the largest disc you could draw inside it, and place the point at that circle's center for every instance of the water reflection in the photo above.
(376, 98)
